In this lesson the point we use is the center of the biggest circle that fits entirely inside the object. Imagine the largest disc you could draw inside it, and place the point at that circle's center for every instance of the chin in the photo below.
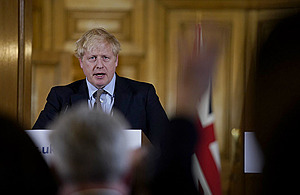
(100, 85)
(100, 82)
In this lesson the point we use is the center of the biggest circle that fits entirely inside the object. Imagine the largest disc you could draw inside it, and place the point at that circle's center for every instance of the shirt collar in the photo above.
(109, 88)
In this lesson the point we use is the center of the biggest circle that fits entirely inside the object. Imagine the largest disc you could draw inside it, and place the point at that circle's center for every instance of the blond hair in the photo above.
(93, 37)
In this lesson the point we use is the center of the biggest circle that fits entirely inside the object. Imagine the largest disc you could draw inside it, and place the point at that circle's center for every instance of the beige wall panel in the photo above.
(115, 22)
(111, 25)
(24, 71)
(47, 31)
(49, 69)
(59, 29)
(100, 4)
(129, 66)
(44, 79)
(9, 57)
(229, 4)
(15, 55)
(125, 19)
(154, 67)
(129, 71)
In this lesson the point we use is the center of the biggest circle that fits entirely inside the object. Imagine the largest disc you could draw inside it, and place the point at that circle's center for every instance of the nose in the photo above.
(98, 63)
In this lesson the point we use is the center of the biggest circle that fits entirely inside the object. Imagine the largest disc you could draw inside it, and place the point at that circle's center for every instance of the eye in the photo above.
(92, 58)
(105, 58)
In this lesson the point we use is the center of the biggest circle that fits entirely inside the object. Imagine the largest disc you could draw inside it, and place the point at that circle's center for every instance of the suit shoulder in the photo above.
(134, 83)
(71, 87)
(76, 84)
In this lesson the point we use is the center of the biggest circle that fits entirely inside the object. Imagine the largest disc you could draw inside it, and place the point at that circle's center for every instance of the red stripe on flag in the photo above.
(205, 158)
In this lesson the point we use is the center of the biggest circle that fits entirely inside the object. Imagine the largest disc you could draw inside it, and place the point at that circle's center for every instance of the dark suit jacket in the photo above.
(136, 100)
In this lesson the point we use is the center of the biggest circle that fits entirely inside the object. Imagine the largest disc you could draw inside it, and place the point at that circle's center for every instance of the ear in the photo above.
(117, 60)
(80, 62)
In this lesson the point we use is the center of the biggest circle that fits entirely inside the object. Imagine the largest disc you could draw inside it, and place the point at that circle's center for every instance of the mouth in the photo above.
(99, 75)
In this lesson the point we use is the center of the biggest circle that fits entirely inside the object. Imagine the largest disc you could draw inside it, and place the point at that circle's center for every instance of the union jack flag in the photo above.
(206, 160)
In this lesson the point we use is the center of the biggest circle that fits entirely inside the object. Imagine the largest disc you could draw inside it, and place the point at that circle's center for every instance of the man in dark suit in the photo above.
(167, 171)
(97, 51)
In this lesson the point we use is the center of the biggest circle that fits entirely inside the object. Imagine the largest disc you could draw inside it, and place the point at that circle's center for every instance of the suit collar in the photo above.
(81, 94)
(123, 95)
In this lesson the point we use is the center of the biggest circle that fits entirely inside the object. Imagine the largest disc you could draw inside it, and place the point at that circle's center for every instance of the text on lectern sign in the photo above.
(41, 140)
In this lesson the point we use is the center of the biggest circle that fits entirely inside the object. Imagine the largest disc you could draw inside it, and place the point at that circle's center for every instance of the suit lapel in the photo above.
(81, 94)
(123, 95)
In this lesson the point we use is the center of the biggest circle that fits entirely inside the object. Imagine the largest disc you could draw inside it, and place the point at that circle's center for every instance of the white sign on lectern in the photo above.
(41, 140)
(253, 156)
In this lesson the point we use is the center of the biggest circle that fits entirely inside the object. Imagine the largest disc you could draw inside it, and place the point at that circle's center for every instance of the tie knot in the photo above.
(98, 93)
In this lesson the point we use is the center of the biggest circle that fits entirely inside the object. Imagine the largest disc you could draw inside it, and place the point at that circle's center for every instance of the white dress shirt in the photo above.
(106, 99)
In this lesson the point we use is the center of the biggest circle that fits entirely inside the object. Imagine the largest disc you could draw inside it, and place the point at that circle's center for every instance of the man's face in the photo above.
(99, 64)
